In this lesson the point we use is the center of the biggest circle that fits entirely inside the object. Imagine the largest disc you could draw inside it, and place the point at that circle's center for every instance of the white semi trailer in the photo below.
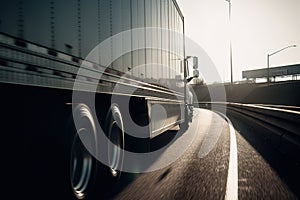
(46, 47)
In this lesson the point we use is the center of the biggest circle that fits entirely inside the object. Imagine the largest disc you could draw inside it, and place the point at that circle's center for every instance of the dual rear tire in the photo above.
(89, 178)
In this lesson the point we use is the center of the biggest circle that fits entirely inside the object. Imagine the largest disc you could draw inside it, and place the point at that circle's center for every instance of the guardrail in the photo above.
(284, 121)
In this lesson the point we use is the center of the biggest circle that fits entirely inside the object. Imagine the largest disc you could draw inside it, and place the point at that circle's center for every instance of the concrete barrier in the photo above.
(284, 123)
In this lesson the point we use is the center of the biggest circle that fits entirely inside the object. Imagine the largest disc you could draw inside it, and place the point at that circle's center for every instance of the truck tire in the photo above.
(83, 166)
(89, 178)
(114, 129)
(185, 125)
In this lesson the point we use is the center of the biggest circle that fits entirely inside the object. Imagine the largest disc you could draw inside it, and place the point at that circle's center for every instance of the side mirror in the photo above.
(195, 62)
(195, 67)
(192, 68)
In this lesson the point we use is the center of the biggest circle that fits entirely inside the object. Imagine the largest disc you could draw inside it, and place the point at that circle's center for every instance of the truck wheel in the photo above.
(108, 174)
(83, 166)
(114, 129)
(89, 178)
(185, 125)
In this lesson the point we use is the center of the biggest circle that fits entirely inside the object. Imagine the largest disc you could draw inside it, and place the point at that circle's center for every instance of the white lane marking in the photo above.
(232, 177)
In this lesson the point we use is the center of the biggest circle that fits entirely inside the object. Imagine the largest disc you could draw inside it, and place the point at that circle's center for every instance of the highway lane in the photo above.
(202, 171)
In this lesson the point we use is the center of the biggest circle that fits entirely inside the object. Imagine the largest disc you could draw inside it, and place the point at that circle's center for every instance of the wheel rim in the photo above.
(81, 166)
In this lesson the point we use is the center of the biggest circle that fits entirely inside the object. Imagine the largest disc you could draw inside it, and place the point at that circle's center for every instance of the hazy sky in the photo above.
(258, 27)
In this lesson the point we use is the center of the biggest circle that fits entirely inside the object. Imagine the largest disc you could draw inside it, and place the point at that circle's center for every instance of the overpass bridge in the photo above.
(289, 70)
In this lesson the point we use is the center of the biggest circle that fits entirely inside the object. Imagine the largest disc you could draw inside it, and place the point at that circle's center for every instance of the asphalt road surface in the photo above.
(220, 162)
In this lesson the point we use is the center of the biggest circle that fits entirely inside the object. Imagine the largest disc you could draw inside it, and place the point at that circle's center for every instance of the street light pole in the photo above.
(271, 54)
(268, 64)
(230, 51)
